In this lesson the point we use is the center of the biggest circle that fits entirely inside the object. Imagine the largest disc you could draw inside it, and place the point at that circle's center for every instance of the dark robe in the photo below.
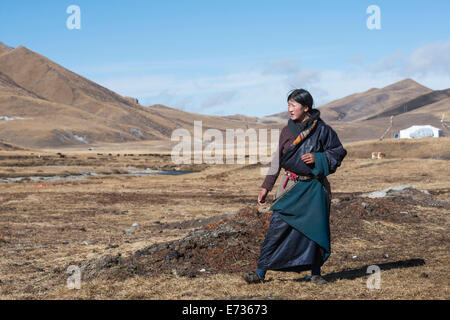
(285, 248)
(322, 139)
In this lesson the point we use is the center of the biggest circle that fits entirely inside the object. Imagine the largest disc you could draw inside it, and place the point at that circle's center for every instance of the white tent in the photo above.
(420, 132)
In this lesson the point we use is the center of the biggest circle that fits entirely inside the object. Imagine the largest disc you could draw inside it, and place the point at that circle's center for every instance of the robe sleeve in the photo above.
(275, 167)
(332, 147)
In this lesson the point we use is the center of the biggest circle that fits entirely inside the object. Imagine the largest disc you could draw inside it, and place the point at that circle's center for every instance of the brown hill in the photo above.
(420, 101)
(366, 115)
(424, 110)
(375, 128)
(363, 105)
(54, 107)
(5, 146)
(43, 123)
(186, 119)
(436, 109)
(368, 103)
(7, 85)
(4, 48)
(61, 108)
(53, 82)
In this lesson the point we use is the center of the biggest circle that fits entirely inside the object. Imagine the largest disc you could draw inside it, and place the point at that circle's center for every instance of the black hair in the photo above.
(301, 96)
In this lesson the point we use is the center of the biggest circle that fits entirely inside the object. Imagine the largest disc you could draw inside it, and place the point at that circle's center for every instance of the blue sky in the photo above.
(228, 57)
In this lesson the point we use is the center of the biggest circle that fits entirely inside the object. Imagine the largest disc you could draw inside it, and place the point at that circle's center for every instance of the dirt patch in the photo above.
(225, 174)
(189, 224)
(5, 197)
(108, 198)
(232, 244)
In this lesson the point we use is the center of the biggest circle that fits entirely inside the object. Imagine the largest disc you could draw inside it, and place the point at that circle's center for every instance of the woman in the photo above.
(298, 236)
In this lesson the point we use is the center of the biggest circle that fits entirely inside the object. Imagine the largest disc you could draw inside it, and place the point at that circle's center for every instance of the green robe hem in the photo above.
(305, 207)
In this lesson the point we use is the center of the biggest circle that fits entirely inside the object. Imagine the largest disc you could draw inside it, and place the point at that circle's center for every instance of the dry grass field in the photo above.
(48, 225)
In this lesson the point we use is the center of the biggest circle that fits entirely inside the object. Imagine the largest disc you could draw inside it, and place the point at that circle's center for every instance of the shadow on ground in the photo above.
(352, 274)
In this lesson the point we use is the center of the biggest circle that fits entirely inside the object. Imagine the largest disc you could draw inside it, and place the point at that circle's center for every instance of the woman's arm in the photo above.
(273, 172)
(332, 147)
(275, 167)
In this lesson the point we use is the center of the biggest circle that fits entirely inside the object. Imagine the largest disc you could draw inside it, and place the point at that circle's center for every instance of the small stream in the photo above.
(83, 175)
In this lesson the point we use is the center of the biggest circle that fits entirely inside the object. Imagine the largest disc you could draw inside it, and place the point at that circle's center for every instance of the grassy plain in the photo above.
(46, 226)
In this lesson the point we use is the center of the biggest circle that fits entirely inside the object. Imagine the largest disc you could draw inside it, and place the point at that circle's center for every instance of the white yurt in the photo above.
(420, 132)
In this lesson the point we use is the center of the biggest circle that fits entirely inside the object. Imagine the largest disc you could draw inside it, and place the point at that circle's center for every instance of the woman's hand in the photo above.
(262, 196)
(308, 158)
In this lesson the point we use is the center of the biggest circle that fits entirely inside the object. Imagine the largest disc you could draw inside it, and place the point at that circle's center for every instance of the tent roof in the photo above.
(420, 127)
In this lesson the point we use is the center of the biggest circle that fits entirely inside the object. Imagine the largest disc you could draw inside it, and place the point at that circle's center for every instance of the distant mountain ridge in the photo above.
(48, 106)
(418, 102)
(4, 48)
(61, 108)
(369, 103)
(366, 115)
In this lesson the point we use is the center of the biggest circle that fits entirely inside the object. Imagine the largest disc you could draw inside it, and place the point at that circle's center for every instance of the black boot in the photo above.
(253, 277)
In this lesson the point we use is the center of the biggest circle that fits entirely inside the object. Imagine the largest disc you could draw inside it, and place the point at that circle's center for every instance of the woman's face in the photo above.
(296, 110)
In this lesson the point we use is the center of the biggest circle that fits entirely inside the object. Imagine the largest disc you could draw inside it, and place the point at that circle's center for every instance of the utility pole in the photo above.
(387, 130)
(444, 124)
